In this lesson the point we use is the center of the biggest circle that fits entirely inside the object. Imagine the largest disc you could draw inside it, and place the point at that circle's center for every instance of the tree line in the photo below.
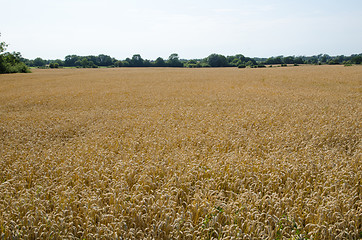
(14, 62)
(213, 60)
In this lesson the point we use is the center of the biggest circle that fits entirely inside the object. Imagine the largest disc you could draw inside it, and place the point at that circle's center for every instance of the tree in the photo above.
(313, 60)
(160, 62)
(356, 59)
(236, 60)
(11, 62)
(59, 62)
(126, 63)
(118, 64)
(250, 63)
(288, 60)
(325, 58)
(298, 60)
(84, 62)
(70, 60)
(274, 60)
(136, 61)
(39, 62)
(104, 60)
(3, 46)
(333, 61)
(174, 61)
(217, 60)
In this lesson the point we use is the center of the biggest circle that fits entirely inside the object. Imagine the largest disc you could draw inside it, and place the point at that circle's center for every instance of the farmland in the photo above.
(169, 153)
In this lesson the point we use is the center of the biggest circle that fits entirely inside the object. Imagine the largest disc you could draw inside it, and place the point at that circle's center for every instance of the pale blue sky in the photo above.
(194, 29)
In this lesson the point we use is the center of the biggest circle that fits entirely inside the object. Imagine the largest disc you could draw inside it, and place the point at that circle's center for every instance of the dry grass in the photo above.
(181, 153)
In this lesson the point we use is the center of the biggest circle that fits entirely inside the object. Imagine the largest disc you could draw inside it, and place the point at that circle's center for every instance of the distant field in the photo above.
(172, 153)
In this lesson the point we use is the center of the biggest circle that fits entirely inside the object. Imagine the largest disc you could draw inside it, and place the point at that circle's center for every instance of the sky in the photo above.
(194, 29)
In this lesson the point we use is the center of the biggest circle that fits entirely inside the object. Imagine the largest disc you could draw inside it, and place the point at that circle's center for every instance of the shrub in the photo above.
(205, 65)
(10, 63)
(347, 63)
(16, 68)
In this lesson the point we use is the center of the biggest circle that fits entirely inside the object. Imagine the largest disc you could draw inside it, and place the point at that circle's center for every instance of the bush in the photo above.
(16, 68)
(205, 65)
(241, 65)
(118, 64)
(11, 63)
(333, 62)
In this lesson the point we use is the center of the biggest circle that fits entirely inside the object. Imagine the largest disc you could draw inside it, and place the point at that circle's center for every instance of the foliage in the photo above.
(3, 46)
(274, 60)
(53, 65)
(214, 60)
(39, 62)
(11, 62)
(174, 61)
(160, 62)
(356, 59)
(217, 60)
(333, 61)
(118, 64)
(136, 61)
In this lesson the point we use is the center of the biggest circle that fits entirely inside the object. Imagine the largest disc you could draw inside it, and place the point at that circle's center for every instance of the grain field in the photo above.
(165, 153)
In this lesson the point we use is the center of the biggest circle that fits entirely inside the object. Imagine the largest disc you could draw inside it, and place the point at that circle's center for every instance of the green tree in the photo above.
(333, 61)
(298, 60)
(39, 62)
(11, 62)
(357, 59)
(274, 60)
(118, 64)
(174, 61)
(160, 62)
(84, 62)
(289, 60)
(325, 58)
(137, 61)
(126, 63)
(249, 63)
(59, 62)
(104, 60)
(217, 60)
(236, 60)
(3, 46)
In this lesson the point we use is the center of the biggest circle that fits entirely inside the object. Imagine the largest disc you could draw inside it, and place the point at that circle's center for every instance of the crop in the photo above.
(148, 153)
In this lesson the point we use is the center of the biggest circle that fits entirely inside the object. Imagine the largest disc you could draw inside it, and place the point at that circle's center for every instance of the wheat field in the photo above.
(165, 153)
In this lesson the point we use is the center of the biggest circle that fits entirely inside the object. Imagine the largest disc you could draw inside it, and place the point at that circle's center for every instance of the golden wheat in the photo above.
(181, 153)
